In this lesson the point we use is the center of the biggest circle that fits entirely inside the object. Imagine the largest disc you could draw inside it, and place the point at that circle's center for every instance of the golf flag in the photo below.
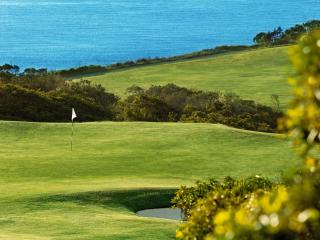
(74, 115)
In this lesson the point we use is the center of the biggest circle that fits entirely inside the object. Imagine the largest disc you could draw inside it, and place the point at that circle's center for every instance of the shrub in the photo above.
(19, 103)
(200, 203)
(188, 105)
(31, 78)
(145, 108)
(284, 213)
(186, 197)
(39, 95)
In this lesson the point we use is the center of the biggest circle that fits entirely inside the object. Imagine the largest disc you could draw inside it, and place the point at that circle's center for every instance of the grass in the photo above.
(253, 74)
(116, 169)
(49, 192)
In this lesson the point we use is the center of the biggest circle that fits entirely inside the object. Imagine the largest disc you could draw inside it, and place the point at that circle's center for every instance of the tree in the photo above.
(269, 38)
(261, 39)
(289, 36)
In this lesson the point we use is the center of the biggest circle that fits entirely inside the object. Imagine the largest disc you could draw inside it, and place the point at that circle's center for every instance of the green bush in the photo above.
(290, 213)
(19, 103)
(144, 108)
(186, 197)
(173, 103)
(39, 95)
(201, 202)
(31, 78)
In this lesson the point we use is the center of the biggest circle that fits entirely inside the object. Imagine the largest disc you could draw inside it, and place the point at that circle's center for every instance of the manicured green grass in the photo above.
(116, 169)
(253, 74)
(49, 192)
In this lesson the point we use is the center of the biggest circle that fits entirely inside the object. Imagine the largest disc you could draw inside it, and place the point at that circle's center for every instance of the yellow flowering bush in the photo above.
(303, 117)
(289, 211)
(285, 213)
(201, 203)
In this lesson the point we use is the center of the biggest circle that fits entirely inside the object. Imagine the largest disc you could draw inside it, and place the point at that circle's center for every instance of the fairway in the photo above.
(252, 74)
(115, 169)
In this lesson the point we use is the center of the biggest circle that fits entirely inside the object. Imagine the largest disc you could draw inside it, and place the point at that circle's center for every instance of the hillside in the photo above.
(49, 192)
(253, 74)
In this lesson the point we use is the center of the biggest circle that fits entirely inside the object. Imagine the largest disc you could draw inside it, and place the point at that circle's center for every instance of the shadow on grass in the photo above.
(133, 200)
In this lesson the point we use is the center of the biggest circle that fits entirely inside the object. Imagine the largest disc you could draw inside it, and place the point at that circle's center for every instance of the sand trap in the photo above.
(164, 213)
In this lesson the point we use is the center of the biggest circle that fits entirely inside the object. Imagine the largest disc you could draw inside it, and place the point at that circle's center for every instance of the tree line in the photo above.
(289, 36)
(39, 95)
(178, 104)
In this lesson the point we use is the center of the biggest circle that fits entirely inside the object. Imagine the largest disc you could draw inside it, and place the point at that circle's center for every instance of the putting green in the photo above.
(49, 192)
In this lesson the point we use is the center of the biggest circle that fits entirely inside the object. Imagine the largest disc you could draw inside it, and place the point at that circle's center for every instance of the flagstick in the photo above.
(72, 135)
(73, 116)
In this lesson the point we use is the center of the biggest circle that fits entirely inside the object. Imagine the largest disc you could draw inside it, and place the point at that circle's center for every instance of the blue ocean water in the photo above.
(67, 33)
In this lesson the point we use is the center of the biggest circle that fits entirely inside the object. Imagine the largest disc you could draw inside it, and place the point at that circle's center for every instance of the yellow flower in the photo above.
(311, 163)
(312, 81)
(220, 230)
(299, 92)
(283, 194)
(296, 112)
(289, 123)
(311, 111)
(242, 218)
(209, 237)
(179, 234)
(274, 203)
(222, 217)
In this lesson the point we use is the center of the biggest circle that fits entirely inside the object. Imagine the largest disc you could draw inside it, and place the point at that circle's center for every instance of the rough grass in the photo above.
(49, 192)
(253, 74)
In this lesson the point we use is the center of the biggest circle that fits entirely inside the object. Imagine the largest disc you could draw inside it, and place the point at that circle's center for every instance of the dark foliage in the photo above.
(31, 78)
(279, 37)
(173, 103)
(81, 70)
(39, 95)
(18, 103)
(145, 108)
(36, 95)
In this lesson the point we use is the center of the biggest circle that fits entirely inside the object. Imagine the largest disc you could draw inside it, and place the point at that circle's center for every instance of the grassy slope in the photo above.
(47, 192)
(253, 74)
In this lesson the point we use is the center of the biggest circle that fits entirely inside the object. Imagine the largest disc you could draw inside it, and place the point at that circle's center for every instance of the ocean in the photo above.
(58, 34)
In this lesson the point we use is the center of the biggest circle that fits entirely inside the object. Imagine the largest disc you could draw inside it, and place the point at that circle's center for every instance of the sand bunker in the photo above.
(164, 213)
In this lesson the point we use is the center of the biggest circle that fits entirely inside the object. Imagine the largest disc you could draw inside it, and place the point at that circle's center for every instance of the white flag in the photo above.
(74, 115)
